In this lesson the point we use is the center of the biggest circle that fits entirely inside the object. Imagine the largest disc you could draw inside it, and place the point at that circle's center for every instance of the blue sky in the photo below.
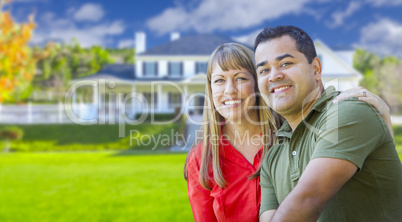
(375, 25)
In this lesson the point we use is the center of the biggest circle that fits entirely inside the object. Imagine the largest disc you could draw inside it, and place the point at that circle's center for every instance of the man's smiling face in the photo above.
(285, 77)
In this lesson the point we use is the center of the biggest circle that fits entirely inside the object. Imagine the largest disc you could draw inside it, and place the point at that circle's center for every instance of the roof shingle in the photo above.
(200, 44)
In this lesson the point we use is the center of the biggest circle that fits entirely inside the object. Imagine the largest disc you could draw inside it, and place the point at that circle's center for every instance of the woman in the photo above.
(222, 171)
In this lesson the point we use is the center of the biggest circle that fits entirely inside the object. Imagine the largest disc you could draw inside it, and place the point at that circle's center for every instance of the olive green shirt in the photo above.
(350, 130)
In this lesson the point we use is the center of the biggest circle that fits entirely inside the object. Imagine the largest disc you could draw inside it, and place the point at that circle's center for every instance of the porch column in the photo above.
(101, 101)
(159, 96)
(133, 106)
(184, 98)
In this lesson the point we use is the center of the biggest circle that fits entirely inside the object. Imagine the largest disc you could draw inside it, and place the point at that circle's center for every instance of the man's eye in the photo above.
(264, 71)
(285, 64)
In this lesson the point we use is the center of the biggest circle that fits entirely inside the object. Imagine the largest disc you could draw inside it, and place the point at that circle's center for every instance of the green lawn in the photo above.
(93, 186)
(73, 137)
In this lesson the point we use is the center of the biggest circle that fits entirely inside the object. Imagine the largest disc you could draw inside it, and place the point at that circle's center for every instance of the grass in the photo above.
(95, 186)
(100, 186)
(398, 138)
(73, 137)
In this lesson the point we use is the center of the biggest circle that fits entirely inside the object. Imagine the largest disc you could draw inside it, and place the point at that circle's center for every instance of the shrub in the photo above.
(157, 116)
(11, 133)
(72, 137)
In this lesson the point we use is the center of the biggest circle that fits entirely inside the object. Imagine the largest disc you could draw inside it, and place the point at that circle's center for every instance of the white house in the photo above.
(337, 67)
(172, 76)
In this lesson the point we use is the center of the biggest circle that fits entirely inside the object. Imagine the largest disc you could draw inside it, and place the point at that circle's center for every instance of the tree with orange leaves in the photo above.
(17, 63)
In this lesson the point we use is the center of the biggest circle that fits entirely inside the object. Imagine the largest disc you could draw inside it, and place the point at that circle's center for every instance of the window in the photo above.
(174, 100)
(199, 105)
(175, 68)
(201, 67)
(150, 69)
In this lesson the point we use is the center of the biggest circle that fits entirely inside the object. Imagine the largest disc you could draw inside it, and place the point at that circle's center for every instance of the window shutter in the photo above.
(144, 72)
(196, 68)
(169, 68)
(156, 68)
(181, 68)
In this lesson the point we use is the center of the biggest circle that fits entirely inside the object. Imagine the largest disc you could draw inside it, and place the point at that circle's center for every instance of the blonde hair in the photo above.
(228, 56)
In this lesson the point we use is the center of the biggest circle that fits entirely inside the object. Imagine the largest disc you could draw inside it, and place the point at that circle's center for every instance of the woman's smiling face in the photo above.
(233, 92)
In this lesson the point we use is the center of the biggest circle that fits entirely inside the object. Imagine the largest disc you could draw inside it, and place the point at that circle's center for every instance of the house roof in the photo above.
(200, 44)
(114, 71)
(352, 72)
(123, 72)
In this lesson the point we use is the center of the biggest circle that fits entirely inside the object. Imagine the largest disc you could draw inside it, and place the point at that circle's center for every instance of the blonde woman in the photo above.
(222, 170)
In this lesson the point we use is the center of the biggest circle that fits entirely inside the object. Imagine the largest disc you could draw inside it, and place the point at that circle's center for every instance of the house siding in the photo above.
(163, 68)
(189, 68)
(138, 68)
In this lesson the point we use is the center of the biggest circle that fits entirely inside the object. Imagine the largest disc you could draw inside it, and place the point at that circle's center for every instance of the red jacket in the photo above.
(239, 201)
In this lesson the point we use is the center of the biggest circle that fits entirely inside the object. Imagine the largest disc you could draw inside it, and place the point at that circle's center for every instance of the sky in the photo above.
(374, 25)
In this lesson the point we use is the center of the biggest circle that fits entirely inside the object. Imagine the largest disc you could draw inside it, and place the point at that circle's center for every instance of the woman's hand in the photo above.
(369, 97)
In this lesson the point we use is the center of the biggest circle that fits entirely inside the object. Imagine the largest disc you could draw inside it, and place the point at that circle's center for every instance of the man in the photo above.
(333, 162)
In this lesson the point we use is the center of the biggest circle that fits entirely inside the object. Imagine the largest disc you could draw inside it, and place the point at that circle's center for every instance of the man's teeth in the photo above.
(231, 102)
(282, 88)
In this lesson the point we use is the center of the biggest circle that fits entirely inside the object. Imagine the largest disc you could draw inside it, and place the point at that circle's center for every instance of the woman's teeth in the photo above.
(231, 102)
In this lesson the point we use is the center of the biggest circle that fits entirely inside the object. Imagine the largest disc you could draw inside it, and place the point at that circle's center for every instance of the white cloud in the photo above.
(51, 28)
(88, 36)
(340, 15)
(211, 15)
(49, 20)
(126, 43)
(382, 37)
(385, 2)
(70, 11)
(89, 12)
(247, 39)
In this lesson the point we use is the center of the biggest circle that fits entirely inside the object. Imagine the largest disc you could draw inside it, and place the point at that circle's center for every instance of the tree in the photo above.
(17, 62)
(66, 62)
(123, 55)
(382, 76)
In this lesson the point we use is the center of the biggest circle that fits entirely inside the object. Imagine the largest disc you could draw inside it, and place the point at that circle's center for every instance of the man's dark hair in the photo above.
(303, 41)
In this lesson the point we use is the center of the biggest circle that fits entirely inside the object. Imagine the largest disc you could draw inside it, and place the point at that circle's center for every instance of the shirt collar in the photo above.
(227, 151)
(323, 102)
(285, 130)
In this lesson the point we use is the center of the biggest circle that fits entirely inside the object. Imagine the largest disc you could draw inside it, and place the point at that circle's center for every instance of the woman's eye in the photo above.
(241, 79)
(218, 81)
